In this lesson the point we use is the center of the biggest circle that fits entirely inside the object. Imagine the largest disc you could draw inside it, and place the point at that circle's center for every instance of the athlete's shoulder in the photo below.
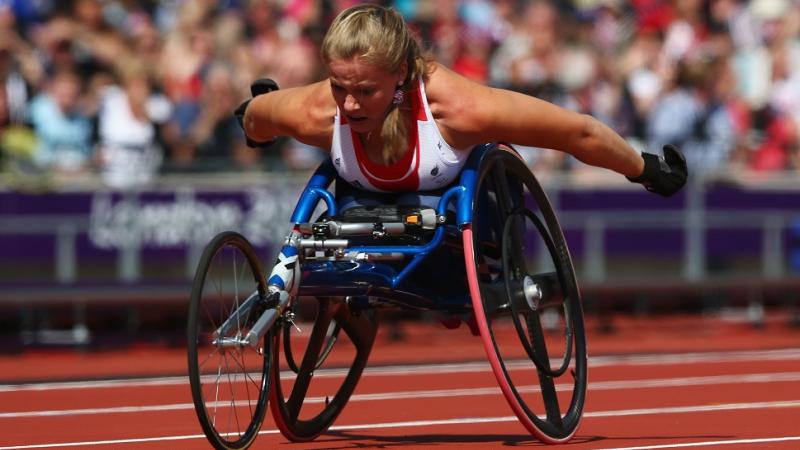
(456, 104)
(312, 111)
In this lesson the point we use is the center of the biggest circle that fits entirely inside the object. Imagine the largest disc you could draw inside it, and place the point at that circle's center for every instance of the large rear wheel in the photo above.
(526, 299)
(320, 366)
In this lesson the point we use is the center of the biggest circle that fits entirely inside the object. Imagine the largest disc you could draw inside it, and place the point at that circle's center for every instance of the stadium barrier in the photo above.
(718, 243)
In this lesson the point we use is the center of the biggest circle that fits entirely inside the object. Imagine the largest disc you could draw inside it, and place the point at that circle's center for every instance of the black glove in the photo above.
(663, 175)
(260, 86)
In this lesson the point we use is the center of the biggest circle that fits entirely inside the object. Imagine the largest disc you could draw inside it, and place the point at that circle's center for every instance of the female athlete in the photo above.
(395, 121)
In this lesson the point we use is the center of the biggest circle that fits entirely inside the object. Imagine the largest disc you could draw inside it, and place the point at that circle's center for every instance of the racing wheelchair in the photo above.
(488, 249)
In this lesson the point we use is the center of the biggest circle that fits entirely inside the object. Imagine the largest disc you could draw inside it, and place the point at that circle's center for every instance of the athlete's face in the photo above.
(363, 92)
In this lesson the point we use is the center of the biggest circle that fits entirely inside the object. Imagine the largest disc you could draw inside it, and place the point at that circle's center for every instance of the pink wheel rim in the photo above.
(488, 344)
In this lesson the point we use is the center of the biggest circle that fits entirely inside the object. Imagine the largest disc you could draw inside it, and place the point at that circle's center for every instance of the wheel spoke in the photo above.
(240, 362)
(246, 373)
(210, 319)
(335, 329)
(331, 339)
(306, 370)
(503, 191)
(216, 391)
(232, 388)
(360, 332)
(514, 229)
(202, 363)
(236, 296)
(226, 264)
(546, 381)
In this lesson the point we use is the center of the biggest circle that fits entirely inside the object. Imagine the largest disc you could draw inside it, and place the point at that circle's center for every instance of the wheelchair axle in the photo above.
(532, 293)
(278, 298)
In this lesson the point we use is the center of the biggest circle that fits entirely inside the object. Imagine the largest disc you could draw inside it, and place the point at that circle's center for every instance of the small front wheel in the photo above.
(229, 377)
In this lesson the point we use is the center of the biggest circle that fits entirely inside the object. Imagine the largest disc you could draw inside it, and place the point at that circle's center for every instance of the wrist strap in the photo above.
(652, 167)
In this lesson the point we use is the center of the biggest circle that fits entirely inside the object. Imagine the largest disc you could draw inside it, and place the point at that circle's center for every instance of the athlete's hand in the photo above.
(258, 87)
(663, 175)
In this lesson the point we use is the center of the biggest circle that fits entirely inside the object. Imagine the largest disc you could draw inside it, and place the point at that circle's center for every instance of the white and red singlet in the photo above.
(429, 162)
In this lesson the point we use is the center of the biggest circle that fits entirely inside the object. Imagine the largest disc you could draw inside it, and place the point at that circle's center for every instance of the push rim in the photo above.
(504, 168)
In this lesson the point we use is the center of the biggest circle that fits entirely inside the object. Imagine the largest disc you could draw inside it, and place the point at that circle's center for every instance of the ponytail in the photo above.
(381, 37)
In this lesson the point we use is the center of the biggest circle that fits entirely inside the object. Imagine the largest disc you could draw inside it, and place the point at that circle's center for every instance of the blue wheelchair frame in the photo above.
(363, 279)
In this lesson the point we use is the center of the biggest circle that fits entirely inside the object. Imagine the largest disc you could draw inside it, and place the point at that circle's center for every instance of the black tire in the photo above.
(527, 304)
(305, 405)
(230, 385)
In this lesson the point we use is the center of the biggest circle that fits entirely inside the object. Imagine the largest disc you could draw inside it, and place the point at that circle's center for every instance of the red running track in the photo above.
(680, 382)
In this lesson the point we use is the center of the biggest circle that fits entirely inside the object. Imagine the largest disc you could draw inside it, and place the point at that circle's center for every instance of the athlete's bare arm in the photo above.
(305, 113)
(469, 113)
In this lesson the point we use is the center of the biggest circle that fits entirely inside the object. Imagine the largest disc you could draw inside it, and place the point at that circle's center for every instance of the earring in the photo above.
(398, 97)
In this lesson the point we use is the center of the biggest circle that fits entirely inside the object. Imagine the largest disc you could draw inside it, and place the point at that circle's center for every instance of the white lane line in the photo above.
(712, 443)
(695, 409)
(712, 380)
(789, 354)
(431, 369)
(108, 442)
(91, 411)
(459, 421)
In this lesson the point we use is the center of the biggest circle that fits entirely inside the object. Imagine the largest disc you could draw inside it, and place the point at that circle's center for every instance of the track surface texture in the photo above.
(689, 381)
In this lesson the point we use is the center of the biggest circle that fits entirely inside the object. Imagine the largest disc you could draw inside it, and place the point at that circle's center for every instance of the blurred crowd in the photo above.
(133, 89)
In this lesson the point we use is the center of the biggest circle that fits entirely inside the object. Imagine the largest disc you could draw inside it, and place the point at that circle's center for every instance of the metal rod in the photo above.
(235, 318)
(266, 321)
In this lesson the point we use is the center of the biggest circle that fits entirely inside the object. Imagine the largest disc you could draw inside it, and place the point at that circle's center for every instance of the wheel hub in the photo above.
(532, 293)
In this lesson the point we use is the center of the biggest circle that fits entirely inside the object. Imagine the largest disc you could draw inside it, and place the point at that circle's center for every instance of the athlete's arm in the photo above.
(469, 113)
(304, 113)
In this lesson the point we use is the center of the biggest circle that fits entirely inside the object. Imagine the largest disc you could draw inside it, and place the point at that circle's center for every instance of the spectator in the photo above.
(535, 66)
(187, 51)
(472, 56)
(614, 59)
(691, 116)
(276, 47)
(17, 142)
(64, 131)
(215, 139)
(129, 120)
(529, 61)
(645, 72)
(18, 72)
(780, 117)
(97, 44)
(445, 31)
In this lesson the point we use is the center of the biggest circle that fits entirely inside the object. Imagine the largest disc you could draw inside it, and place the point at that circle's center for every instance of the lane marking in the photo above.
(430, 369)
(712, 443)
(713, 380)
(108, 442)
(461, 421)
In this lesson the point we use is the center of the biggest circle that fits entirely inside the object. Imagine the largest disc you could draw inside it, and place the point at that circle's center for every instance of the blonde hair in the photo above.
(380, 36)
